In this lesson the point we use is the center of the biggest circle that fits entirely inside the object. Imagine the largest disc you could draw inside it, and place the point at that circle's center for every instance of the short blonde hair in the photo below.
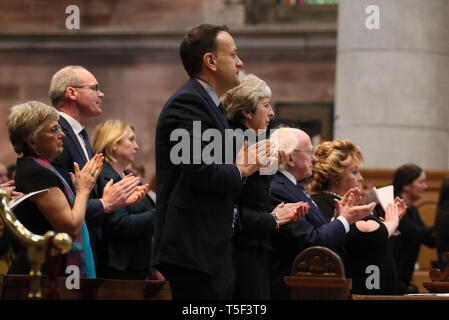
(332, 159)
(245, 96)
(28, 119)
(62, 79)
(106, 135)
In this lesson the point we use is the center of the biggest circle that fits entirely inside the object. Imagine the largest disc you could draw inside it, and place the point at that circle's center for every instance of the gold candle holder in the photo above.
(36, 244)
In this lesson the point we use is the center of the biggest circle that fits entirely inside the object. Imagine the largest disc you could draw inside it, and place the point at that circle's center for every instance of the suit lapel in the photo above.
(291, 188)
(218, 115)
(296, 193)
(68, 131)
(79, 158)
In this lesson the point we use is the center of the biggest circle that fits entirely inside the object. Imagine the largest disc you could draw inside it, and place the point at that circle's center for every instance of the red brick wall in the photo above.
(45, 15)
(136, 86)
(136, 82)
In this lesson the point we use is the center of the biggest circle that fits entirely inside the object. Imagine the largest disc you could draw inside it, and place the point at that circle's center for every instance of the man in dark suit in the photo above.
(192, 245)
(75, 92)
(312, 230)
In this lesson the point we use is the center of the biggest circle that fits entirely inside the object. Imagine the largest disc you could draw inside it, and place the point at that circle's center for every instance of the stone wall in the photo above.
(132, 49)
(45, 15)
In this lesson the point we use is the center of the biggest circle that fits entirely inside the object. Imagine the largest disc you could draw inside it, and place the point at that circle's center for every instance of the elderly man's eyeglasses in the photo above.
(93, 87)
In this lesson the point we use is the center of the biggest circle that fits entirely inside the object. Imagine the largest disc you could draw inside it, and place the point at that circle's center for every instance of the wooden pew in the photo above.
(16, 287)
(318, 274)
(439, 279)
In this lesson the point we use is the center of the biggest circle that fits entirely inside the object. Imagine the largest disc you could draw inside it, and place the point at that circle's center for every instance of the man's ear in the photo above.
(209, 61)
(70, 93)
(290, 160)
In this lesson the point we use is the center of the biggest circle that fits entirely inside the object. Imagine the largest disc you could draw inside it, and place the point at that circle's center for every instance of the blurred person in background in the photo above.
(11, 169)
(409, 183)
(442, 224)
(3, 174)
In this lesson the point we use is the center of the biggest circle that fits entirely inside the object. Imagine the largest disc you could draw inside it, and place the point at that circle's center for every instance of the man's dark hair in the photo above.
(196, 43)
(405, 175)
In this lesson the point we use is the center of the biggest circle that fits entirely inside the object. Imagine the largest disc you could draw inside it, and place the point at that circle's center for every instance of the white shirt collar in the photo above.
(210, 91)
(289, 176)
(76, 126)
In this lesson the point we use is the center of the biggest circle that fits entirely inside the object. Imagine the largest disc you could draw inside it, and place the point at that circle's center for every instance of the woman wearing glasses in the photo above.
(37, 138)
(248, 109)
(367, 246)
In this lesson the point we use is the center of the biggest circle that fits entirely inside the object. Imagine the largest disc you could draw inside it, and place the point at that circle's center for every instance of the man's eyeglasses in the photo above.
(94, 87)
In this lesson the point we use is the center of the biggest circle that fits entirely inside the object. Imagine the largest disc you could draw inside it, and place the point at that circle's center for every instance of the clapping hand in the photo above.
(348, 206)
(84, 180)
(138, 194)
(303, 209)
(402, 207)
(287, 212)
(259, 155)
(9, 186)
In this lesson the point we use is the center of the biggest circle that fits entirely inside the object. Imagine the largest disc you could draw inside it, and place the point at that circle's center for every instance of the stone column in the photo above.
(229, 12)
(392, 84)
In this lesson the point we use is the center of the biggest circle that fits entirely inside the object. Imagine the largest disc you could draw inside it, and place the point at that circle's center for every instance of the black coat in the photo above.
(195, 200)
(406, 246)
(256, 224)
(442, 236)
(128, 232)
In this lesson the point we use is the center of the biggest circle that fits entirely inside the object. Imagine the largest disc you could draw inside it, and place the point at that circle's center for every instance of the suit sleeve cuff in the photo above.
(344, 222)
(239, 172)
(101, 201)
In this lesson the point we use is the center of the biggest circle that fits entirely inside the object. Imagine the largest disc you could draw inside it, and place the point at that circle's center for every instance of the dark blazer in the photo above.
(294, 237)
(128, 231)
(73, 152)
(255, 223)
(195, 202)
(253, 234)
(413, 233)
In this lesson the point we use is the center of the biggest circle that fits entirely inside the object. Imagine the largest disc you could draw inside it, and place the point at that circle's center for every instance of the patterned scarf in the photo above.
(81, 252)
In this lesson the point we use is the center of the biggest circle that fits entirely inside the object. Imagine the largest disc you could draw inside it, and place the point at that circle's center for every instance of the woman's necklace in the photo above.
(339, 197)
